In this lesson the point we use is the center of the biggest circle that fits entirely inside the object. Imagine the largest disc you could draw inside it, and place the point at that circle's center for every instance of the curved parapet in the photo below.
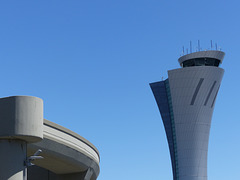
(21, 117)
(218, 55)
(60, 134)
(65, 152)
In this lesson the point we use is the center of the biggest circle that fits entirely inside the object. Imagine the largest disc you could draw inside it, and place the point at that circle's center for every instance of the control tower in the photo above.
(186, 101)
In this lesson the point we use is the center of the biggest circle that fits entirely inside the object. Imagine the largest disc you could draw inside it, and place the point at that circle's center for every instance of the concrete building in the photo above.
(26, 137)
(186, 101)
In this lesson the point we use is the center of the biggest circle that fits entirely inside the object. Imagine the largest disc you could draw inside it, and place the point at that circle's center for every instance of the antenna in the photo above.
(211, 45)
(198, 45)
(216, 46)
(187, 50)
(190, 46)
(183, 50)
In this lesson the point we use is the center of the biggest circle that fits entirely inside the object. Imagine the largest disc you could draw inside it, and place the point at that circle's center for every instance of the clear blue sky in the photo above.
(92, 62)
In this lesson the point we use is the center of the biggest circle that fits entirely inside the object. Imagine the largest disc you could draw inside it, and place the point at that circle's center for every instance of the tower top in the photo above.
(202, 58)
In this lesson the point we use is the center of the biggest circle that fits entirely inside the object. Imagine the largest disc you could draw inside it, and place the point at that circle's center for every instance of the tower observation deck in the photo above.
(202, 58)
(186, 100)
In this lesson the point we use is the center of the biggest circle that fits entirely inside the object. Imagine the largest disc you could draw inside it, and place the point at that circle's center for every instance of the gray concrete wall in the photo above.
(66, 155)
(21, 117)
(38, 173)
(12, 157)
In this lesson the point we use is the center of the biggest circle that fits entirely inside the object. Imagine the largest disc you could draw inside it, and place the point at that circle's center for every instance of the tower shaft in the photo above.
(186, 101)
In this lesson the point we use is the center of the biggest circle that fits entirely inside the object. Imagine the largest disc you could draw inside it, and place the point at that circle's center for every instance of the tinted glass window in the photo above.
(201, 62)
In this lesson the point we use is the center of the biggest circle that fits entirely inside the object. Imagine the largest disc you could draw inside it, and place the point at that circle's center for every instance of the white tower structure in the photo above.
(186, 101)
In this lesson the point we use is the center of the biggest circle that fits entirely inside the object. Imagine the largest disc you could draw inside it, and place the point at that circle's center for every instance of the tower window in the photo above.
(201, 62)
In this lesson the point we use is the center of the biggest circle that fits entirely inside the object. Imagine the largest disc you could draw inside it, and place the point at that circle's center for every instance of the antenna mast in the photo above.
(190, 46)
(198, 45)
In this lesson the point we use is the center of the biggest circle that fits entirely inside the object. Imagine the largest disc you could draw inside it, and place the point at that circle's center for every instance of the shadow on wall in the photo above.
(38, 173)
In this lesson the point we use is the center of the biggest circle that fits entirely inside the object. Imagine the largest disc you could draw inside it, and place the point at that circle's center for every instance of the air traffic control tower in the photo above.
(186, 101)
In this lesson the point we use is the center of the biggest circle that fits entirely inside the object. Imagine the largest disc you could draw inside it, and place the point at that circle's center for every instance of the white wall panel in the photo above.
(192, 122)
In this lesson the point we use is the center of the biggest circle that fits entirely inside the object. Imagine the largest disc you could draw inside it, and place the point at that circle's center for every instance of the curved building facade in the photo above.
(186, 102)
(33, 148)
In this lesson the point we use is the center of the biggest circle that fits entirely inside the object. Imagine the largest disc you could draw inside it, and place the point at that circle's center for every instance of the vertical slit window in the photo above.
(196, 91)
(209, 94)
(215, 97)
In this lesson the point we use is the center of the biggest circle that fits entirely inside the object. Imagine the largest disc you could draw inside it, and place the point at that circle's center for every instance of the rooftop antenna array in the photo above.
(198, 48)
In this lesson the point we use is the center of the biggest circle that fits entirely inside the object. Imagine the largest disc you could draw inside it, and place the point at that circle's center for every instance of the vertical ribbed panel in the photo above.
(161, 95)
(168, 91)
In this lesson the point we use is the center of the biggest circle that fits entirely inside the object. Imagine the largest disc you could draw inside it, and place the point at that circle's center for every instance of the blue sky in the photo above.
(92, 62)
